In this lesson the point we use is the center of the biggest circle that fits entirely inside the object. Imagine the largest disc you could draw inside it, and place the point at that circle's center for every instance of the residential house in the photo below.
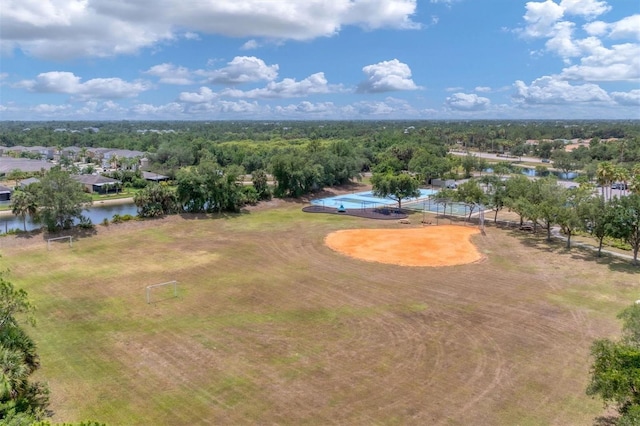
(98, 184)
(5, 194)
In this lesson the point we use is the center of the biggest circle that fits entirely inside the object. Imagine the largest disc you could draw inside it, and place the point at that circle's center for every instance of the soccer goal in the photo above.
(162, 291)
(481, 221)
(67, 237)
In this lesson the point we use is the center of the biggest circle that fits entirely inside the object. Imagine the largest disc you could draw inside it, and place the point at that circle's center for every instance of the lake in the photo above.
(97, 213)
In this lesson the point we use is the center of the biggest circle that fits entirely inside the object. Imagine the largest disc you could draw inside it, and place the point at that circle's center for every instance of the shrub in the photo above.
(85, 223)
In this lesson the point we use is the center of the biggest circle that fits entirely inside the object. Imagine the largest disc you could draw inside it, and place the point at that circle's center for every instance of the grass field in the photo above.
(273, 327)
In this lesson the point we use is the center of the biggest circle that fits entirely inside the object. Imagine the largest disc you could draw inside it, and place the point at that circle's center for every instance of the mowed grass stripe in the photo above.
(270, 326)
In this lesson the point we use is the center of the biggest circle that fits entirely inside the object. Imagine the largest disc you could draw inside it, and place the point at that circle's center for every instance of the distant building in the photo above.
(154, 177)
(98, 184)
(5, 193)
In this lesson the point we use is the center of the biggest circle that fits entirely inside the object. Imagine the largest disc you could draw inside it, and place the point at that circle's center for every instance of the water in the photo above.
(97, 213)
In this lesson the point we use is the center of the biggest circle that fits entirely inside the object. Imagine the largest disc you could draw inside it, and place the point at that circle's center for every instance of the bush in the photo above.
(250, 195)
(85, 223)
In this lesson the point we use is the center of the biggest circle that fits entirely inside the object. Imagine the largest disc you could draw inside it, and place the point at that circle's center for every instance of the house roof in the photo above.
(29, 181)
(95, 180)
(8, 164)
(154, 176)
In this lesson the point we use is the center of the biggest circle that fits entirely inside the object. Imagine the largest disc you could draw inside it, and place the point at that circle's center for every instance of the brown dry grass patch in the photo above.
(273, 327)
(429, 246)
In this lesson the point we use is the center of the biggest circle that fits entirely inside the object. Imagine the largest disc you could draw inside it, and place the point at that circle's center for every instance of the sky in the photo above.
(319, 59)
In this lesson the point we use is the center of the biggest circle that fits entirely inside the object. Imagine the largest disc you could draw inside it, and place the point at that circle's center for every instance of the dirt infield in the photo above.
(428, 246)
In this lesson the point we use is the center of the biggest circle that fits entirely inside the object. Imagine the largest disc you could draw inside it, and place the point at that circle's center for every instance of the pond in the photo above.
(97, 213)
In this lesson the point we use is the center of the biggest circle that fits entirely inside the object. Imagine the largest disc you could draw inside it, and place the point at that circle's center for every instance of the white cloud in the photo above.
(204, 95)
(47, 109)
(106, 108)
(170, 74)
(592, 58)
(482, 89)
(553, 91)
(238, 106)
(541, 18)
(467, 102)
(586, 8)
(287, 88)
(628, 27)
(596, 28)
(306, 109)
(619, 63)
(631, 98)
(242, 69)
(69, 83)
(561, 41)
(72, 28)
(387, 76)
(390, 108)
(168, 110)
(250, 45)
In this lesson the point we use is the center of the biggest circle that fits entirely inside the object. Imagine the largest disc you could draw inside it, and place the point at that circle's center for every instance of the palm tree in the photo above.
(14, 373)
(604, 177)
(621, 175)
(634, 184)
(24, 203)
(83, 154)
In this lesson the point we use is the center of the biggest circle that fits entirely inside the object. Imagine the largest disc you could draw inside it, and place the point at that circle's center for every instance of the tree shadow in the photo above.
(605, 421)
(29, 234)
(76, 233)
(539, 241)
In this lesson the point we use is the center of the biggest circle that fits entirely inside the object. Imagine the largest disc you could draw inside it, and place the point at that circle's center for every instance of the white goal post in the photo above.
(168, 284)
(69, 237)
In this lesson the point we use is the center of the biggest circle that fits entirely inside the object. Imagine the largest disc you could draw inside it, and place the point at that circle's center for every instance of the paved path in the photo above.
(555, 232)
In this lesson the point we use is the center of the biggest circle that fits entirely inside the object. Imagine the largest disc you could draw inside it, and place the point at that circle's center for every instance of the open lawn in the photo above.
(273, 327)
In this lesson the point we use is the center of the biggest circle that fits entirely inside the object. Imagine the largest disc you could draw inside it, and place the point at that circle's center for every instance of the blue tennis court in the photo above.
(366, 200)
(450, 208)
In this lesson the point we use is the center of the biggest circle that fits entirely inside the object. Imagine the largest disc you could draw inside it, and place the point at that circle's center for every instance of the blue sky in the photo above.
(319, 59)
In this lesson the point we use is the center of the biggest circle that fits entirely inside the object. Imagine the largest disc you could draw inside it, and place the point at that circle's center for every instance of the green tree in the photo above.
(546, 202)
(295, 175)
(594, 215)
(634, 184)
(19, 396)
(60, 198)
(429, 165)
(156, 200)
(615, 372)
(605, 175)
(516, 189)
(624, 221)
(496, 194)
(261, 184)
(564, 161)
(24, 203)
(569, 210)
(395, 186)
(471, 194)
(469, 164)
(191, 191)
